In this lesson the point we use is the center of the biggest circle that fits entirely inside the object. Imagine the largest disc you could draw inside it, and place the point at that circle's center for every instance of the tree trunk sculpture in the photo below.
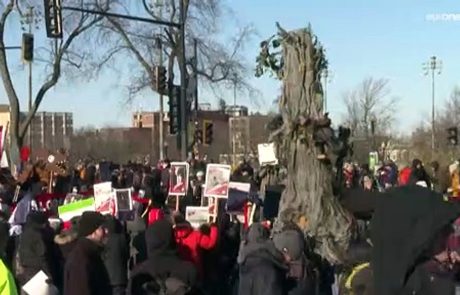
(305, 138)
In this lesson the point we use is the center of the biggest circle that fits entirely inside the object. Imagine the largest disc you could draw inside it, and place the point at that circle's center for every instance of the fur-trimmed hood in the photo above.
(66, 237)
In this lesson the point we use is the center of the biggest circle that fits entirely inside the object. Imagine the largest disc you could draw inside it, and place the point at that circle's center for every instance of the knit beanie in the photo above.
(89, 222)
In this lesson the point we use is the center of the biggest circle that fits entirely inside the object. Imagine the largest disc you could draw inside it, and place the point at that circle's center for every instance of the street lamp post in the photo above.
(434, 65)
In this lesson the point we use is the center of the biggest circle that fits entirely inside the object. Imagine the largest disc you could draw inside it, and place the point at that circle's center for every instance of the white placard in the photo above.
(217, 181)
(104, 200)
(197, 215)
(179, 178)
(38, 285)
(267, 154)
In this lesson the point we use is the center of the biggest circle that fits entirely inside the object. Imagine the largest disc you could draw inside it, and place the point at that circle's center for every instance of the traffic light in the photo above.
(53, 18)
(208, 132)
(452, 136)
(198, 136)
(174, 109)
(161, 80)
(27, 47)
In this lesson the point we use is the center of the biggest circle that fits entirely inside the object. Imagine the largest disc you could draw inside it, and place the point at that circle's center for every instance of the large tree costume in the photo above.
(307, 143)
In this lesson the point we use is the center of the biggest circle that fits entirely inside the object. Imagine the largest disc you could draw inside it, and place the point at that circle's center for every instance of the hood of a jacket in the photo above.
(404, 226)
(66, 237)
(160, 239)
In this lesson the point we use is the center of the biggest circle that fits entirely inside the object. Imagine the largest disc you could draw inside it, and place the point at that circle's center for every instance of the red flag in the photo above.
(25, 153)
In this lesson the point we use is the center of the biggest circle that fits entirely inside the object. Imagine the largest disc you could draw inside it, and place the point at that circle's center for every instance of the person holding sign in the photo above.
(190, 241)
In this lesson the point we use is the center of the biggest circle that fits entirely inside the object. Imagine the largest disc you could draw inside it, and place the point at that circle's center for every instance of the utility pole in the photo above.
(161, 114)
(183, 87)
(30, 21)
(434, 65)
(234, 91)
(195, 75)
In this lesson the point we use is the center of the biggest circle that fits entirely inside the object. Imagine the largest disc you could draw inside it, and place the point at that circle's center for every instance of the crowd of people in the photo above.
(157, 251)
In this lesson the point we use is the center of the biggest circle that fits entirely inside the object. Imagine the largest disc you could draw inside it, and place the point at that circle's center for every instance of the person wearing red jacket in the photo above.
(191, 242)
(404, 176)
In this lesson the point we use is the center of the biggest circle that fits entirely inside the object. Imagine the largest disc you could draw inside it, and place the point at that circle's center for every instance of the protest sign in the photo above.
(104, 198)
(178, 178)
(39, 285)
(217, 181)
(267, 154)
(197, 215)
(68, 211)
(123, 200)
(238, 195)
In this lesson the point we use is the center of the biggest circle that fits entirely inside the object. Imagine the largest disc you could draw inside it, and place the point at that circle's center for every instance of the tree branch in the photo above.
(52, 81)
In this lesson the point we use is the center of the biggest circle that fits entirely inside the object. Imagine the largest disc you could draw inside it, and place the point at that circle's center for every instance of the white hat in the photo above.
(199, 174)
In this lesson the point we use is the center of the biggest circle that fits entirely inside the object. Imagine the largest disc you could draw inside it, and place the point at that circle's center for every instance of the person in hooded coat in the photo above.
(163, 263)
(37, 251)
(262, 267)
(406, 223)
(419, 173)
(116, 256)
(301, 277)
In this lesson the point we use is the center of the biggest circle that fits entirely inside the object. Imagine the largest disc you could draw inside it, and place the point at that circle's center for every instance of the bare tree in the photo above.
(222, 105)
(219, 63)
(447, 117)
(53, 55)
(369, 101)
(308, 199)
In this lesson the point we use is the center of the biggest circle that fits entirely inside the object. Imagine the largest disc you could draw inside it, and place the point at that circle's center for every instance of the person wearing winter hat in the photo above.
(291, 242)
(85, 272)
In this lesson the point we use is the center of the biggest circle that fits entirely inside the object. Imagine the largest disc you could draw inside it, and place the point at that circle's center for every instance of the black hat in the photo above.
(89, 222)
(37, 218)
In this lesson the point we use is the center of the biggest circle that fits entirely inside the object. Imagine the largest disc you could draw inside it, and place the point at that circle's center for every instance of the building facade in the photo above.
(50, 131)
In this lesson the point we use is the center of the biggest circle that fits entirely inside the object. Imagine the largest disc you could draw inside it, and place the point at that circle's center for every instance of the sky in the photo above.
(381, 39)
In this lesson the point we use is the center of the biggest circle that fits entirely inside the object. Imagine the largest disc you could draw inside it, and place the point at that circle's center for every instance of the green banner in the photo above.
(76, 206)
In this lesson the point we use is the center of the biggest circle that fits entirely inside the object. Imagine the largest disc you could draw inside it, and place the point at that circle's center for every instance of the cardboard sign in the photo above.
(197, 215)
(179, 178)
(267, 154)
(123, 200)
(238, 195)
(104, 200)
(71, 210)
(217, 181)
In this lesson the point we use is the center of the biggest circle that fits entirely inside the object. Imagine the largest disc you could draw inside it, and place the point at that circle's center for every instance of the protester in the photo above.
(192, 242)
(262, 267)
(301, 279)
(163, 266)
(408, 238)
(37, 251)
(7, 282)
(116, 256)
(419, 174)
(85, 272)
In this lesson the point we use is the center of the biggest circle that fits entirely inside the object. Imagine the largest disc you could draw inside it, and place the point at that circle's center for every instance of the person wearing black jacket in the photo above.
(263, 268)
(85, 272)
(37, 250)
(116, 256)
(419, 173)
(163, 264)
